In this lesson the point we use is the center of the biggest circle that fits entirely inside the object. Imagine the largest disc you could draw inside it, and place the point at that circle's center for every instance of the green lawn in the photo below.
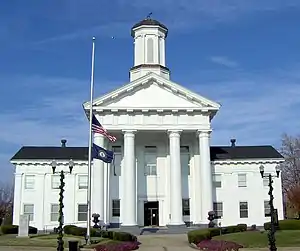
(43, 240)
(257, 239)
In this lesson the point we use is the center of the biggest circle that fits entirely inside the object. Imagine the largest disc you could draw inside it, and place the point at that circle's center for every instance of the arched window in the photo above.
(150, 50)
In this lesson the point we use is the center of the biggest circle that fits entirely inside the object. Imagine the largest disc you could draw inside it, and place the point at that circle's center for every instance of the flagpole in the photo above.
(89, 193)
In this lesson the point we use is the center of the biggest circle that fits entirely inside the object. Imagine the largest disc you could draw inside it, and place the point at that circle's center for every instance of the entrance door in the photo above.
(151, 213)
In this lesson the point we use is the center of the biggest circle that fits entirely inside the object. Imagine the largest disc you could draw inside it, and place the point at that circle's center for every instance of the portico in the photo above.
(155, 119)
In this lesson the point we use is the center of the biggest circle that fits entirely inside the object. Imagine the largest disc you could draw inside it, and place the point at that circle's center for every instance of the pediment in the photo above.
(153, 91)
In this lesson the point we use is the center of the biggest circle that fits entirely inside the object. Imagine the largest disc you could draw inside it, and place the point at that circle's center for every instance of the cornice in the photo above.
(204, 110)
(47, 163)
(247, 161)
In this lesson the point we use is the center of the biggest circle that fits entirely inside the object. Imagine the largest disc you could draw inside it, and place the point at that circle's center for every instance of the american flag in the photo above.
(98, 128)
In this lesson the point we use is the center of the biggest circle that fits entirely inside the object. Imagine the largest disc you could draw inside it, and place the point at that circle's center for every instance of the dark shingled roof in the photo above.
(150, 22)
(81, 153)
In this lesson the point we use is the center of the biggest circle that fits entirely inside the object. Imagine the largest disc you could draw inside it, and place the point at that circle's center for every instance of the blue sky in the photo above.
(243, 54)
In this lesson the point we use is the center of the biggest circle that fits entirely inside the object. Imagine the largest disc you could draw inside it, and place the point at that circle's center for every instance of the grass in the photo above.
(49, 240)
(257, 239)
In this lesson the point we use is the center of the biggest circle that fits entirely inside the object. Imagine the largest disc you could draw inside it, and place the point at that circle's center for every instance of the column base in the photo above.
(131, 229)
(177, 229)
(200, 225)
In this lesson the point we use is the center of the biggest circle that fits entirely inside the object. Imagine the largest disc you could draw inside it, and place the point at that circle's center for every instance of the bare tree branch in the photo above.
(6, 201)
(290, 149)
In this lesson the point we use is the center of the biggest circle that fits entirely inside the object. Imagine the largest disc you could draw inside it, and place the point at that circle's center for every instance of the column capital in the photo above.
(129, 132)
(203, 133)
(174, 132)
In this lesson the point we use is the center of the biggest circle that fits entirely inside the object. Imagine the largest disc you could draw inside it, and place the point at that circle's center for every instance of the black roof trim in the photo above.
(81, 153)
(149, 22)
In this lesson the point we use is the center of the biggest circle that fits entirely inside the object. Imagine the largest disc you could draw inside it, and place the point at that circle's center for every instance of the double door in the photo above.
(151, 216)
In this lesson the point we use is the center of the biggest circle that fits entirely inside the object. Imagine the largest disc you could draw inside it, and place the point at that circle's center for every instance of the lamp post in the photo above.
(271, 234)
(60, 241)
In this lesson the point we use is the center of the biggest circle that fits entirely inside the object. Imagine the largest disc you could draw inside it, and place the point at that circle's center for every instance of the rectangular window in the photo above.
(266, 179)
(55, 181)
(244, 209)
(116, 208)
(218, 209)
(82, 182)
(242, 180)
(29, 181)
(29, 210)
(82, 212)
(186, 207)
(54, 212)
(117, 160)
(217, 179)
(150, 160)
(185, 160)
(267, 208)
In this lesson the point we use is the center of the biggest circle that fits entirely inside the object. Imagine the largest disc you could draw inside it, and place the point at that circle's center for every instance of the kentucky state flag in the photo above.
(102, 154)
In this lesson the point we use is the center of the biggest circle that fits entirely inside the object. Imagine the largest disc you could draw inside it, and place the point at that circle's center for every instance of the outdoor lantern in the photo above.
(71, 165)
(262, 169)
(277, 168)
(53, 164)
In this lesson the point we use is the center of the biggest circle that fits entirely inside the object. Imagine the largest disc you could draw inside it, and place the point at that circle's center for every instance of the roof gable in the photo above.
(152, 90)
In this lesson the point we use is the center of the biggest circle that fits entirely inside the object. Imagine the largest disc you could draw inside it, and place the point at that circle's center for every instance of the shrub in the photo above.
(9, 229)
(196, 236)
(13, 229)
(81, 231)
(218, 245)
(242, 227)
(285, 225)
(68, 229)
(123, 236)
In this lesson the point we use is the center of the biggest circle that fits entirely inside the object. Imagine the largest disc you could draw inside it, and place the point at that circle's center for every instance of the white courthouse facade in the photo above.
(165, 171)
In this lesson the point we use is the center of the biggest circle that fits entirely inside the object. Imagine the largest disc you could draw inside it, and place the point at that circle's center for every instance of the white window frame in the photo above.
(266, 179)
(55, 181)
(244, 210)
(82, 185)
(242, 180)
(29, 182)
(115, 210)
(30, 213)
(150, 169)
(218, 209)
(118, 153)
(267, 208)
(81, 213)
(217, 182)
(186, 208)
(54, 214)
(185, 151)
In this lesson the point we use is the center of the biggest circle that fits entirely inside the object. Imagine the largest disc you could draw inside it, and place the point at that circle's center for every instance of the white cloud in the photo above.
(256, 108)
(86, 19)
(224, 61)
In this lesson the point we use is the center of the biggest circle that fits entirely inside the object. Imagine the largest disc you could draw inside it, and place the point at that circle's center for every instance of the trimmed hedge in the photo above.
(114, 235)
(13, 229)
(285, 225)
(198, 235)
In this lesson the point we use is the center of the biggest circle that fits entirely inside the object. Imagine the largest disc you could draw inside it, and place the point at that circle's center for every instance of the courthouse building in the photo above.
(165, 171)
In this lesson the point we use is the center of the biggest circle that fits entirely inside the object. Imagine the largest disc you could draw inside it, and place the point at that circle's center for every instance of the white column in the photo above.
(175, 179)
(128, 176)
(18, 198)
(98, 181)
(206, 175)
